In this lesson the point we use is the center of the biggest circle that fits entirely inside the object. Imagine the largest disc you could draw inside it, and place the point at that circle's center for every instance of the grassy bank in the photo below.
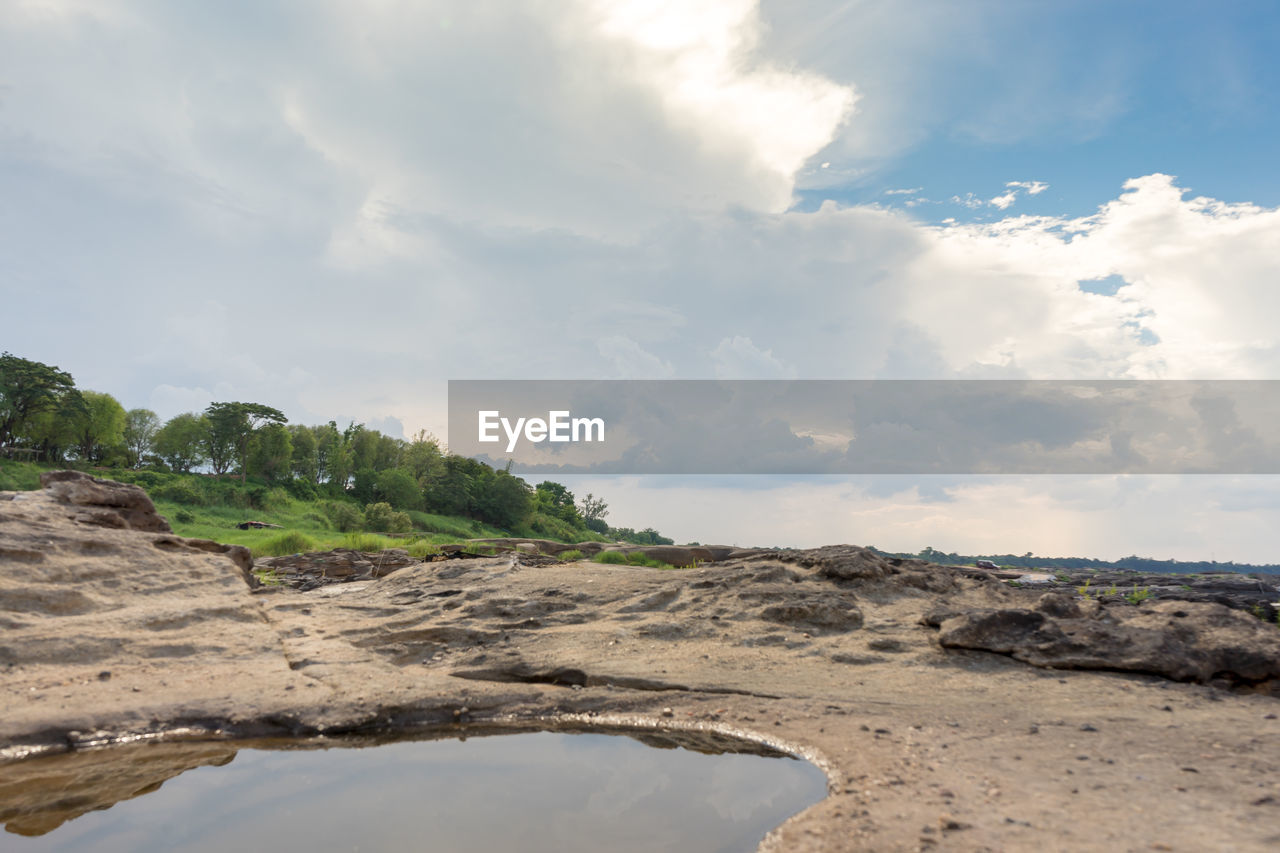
(210, 508)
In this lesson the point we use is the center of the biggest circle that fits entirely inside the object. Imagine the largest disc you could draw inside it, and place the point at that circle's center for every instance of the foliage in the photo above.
(231, 426)
(27, 388)
(283, 544)
(1138, 595)
(140, 428)
(345, 516)
(570, 556)
(397, 487)
(592, 508)
(381, 518)
(182, 441)
(272, 453)
(614, 558)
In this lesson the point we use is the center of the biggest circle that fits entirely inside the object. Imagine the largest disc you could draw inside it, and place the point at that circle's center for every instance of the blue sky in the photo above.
(334, 209)
(1080, 96)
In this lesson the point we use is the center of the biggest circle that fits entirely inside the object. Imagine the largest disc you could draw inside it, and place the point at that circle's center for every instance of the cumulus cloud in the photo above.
(1003, 201)
(1032, 187)
(739, 358)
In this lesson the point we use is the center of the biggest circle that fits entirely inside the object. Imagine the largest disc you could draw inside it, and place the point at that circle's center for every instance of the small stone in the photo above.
(105, 675)
(667, 712)
(1087, 728)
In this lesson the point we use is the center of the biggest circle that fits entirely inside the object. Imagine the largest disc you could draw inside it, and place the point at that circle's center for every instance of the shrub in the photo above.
(569, 556)
(181, 491)
(599, 525)
(613, 558)
(318, 520)
(381, 518)
(422, 548)
(289, 542)
(366, 542)
(344, 516)
(184, 516)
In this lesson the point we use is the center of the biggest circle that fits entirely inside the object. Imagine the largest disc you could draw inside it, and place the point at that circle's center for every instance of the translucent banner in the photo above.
(869, 426)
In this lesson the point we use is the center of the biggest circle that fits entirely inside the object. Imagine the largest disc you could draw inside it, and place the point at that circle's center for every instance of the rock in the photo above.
(340, 565)
(106, 503)
(844, 562)
(1183, 641)
(816, 614)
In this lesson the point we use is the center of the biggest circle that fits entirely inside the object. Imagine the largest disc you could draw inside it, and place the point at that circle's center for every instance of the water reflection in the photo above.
(527, 792)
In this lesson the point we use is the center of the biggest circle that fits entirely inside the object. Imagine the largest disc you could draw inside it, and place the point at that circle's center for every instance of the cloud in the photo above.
(1003, 202)
(1032, 187)
(632, 361)
(739, 358)
(911, 191)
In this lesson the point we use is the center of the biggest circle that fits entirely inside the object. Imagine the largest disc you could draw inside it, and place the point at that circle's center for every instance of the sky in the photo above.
(335, 208)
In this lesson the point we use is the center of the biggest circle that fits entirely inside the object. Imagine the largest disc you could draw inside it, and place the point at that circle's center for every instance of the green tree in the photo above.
(305, 463)
(231, 427)
(272, 452)
(398, 488)
(592, 508)
(52, 431)
(140, 428)
(555, 500)
(503, 500)
(27, 388)
(100, 427)
(182, 442)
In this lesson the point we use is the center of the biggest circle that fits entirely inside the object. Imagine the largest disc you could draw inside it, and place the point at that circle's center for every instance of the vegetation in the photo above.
(319, 482)
(1132, 563)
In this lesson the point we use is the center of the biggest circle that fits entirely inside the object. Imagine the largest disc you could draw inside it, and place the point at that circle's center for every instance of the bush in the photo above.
(569, 556)
(290, 542)
(367, 542)
(181, 491)
(381, 518)
(343, 515)
(613, 558)
(318, 520)
(598, 525)
(184, 516)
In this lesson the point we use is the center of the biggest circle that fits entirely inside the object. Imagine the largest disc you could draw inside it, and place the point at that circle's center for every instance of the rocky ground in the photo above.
(949, 709)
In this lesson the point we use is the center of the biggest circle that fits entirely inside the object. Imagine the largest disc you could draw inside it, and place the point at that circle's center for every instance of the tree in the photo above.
(305, 462)
(182, 442)
(231, 427)
(398, 488)
(27, 388)
(555, 500)
(272, 452)
(592, 508)
(99, 426)
(502, 500)
(140, 428)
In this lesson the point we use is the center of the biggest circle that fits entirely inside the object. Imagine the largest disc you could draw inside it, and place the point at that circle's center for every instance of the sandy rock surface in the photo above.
(114, 630)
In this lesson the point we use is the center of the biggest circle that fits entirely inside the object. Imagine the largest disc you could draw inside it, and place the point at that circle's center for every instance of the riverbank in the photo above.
(904, 681)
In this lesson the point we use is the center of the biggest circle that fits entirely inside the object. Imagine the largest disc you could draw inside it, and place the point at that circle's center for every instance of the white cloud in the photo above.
(911, 191)
(739, 358)
(1005, 201)
(1032, 187)
(632, 361)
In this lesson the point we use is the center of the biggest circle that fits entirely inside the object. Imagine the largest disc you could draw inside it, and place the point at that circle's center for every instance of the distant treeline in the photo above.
(1132, 563)
(44, 418)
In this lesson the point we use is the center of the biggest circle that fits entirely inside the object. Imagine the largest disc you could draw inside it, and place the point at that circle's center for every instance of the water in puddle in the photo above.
(520, 792)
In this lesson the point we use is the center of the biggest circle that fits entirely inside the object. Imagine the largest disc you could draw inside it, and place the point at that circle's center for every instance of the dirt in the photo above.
(115, 633)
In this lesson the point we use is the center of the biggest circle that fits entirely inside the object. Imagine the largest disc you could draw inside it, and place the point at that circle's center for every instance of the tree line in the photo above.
(45, 418)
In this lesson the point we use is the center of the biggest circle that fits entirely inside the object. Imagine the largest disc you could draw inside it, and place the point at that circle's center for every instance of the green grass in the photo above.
(569, 556)
(201, 507)
(611, 558)
(19, 476)
(291, 542)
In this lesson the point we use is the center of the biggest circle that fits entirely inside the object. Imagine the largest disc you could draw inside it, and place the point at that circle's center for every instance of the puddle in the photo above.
(539, 791)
